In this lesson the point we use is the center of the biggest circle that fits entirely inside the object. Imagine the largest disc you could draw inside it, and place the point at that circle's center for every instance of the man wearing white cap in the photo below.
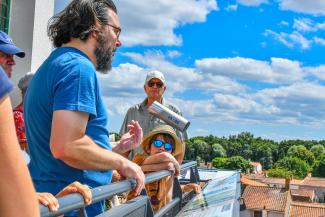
(154, 86)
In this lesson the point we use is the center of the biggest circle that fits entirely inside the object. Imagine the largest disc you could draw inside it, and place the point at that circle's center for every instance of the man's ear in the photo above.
(94, 34)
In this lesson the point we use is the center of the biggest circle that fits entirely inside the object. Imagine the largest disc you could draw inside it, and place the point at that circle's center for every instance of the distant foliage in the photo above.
(275, 157)
(298, 167)
(218, 151)
(280, 173)
(319, 167)
(301, 152)
(232, 163)
(219, 162)
(317, 150)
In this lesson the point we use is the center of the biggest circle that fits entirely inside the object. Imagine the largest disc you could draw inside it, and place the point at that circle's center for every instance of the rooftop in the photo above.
(314, 182)
(246, 181)
(302, 193)
(307, 209)
(258, 197)
(255, 163)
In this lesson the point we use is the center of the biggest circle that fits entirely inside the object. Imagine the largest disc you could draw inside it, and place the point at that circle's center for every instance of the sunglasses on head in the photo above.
(158, 84)
(158, 143)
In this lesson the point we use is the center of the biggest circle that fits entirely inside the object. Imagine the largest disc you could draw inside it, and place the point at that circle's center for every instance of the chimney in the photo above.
(287, 184)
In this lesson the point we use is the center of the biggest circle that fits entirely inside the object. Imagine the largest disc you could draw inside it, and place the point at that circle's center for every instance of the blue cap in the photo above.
(7, 46)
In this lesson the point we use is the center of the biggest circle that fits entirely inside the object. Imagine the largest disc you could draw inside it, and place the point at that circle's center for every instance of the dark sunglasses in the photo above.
(158, 84)
(158, 143)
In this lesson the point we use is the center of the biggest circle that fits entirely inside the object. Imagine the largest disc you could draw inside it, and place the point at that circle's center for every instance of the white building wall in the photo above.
(250, 213)
(275, 214)
(246, 213)
(27, 28)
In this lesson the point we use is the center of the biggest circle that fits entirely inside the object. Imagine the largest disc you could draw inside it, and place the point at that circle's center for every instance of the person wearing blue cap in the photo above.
(7, 51)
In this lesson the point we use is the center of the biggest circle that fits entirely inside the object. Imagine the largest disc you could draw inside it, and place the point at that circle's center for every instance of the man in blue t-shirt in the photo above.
(65, 115)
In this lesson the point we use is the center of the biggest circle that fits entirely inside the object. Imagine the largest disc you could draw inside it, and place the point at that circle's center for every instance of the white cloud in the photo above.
(231, 8)
(153, 23)
(320, 41)
(314, 7)
(308, 25)
(284, 23)
(125, 80)
(304, 25)
(251, 2)
(174, 54)
(292, 101)
(318, 71)
(290, 40)
(299, 103)
(176, 77)
(182, 78)
(277, 71)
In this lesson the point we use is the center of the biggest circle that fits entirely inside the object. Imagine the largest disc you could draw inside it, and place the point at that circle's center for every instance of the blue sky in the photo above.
(231, 66)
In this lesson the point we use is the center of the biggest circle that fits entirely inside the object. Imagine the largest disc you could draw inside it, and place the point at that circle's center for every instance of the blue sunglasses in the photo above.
(158, 143)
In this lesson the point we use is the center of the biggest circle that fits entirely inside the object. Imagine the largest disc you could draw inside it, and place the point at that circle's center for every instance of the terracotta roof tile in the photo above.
(251, 182)
(255, 163)
(307, 209)
(302, 192)
(314, 181)
(265, 198)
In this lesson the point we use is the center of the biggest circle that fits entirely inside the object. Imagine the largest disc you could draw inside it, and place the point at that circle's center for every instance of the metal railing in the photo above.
(75, 201)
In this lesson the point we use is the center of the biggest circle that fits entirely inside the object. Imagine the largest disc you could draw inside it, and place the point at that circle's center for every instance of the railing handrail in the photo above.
(75, 201)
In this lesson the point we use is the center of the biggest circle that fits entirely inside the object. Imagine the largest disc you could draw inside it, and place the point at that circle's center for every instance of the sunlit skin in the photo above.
(154, 93)
(113, 41)
(7, 62)
(155, 150)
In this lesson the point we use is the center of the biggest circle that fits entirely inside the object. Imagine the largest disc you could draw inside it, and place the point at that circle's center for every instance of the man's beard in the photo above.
(104, 56)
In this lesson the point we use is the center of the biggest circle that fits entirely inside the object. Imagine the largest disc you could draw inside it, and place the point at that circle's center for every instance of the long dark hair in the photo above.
(78, 20)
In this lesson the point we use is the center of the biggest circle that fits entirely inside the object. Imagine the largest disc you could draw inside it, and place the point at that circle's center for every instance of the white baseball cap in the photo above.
(155, 74)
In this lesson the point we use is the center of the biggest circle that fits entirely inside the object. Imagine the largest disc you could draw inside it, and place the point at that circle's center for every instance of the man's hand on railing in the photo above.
(131, 170)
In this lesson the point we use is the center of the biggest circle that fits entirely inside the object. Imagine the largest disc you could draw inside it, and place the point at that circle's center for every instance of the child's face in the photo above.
(156, 150)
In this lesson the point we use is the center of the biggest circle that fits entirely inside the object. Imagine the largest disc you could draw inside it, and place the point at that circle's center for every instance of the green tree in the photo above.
(240, 145)
(319, 167)
(302, 153)
(199, 160)
(218, 151)
(298, 167)
(203, 149)
(262, 152)
(219, 162)
(279, 173)
(237, 162)
(317, 150)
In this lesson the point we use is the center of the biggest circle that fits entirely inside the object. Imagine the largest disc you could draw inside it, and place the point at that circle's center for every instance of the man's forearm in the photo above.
(85, 154)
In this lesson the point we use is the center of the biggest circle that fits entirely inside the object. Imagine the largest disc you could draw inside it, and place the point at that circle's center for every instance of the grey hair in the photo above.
(24, 82)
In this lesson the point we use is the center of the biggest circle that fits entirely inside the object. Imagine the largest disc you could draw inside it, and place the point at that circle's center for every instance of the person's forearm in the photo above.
(16, 185)
(155, 167)
(85, 154)
(116, 147)
(159, 158)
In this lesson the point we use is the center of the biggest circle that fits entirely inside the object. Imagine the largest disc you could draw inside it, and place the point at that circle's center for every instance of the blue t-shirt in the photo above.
(5, 84)
(65, 81)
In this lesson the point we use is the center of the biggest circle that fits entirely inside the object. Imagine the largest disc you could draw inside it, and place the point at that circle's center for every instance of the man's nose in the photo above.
(118, 43)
